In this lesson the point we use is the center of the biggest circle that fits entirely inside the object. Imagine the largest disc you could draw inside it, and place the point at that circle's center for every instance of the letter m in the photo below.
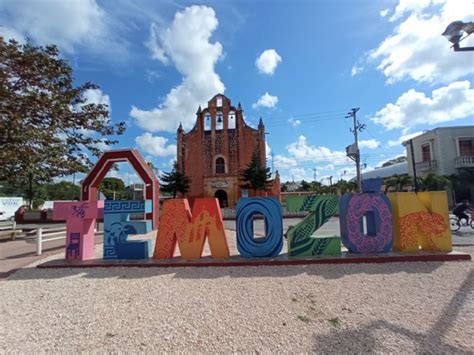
(189, 230)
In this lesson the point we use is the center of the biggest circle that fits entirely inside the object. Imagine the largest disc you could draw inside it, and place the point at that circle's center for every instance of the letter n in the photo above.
(420, 221)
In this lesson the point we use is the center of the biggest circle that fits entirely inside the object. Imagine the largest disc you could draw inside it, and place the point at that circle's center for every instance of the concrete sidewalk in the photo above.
(16, 254)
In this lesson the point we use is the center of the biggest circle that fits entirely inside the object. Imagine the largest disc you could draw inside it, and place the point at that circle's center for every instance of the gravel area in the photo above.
(398, 307)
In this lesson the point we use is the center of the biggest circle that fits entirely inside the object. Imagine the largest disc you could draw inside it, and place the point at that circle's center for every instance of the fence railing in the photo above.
(426, 165)
(8, 230)
(465, 162)
(45, 235)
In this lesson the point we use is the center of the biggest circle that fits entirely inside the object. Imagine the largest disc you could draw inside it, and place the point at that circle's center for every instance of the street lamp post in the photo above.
(458, 31)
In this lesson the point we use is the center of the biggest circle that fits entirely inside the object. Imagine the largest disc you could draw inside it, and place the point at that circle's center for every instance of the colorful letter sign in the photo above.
(80, 221)
(376, 209)
(117, 228)
(271, 245)
(420, 221)
(301, 241)
(178, 225)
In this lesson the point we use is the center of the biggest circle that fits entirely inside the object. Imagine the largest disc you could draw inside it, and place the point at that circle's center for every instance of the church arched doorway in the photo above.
(221, 195)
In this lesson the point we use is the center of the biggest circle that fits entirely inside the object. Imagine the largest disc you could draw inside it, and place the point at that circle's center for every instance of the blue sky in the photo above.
(300, 65)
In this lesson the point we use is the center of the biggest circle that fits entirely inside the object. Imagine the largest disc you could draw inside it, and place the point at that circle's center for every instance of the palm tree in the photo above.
(398, 182)
(434, 182)
(346, 186)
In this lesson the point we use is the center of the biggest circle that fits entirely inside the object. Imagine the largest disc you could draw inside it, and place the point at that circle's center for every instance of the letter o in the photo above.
(272, 244)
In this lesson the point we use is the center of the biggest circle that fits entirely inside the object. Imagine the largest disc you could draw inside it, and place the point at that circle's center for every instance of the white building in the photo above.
(443, 151)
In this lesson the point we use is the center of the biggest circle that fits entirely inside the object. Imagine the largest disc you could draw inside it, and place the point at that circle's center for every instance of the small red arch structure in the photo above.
(105, 163)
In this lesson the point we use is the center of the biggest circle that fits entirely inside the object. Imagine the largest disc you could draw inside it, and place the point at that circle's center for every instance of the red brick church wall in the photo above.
(199, 148)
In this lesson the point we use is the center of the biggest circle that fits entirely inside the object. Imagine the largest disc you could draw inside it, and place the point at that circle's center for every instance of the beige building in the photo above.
(444, 151)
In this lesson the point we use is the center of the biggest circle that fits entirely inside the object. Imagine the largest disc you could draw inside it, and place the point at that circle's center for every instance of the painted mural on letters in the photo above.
(118, 226)
(377, 211)
(80, 222)
(190, 230)
(420, 221)
(301, 241)
(249, 246)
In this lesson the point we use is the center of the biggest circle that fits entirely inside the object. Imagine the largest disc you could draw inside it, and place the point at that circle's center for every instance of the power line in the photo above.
(302, 115)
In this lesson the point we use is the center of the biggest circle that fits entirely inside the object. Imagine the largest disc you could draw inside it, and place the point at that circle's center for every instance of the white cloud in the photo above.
(127, 176)
(403, 138)
(64, 23)
(9, 33)
(300, 153)
(303, 158)
(304, 152)
(153, 44)
(448, 103)
(416, 48)
(266, 100)
(356, 70)
(155, 146)
(283, 162)
(152, 75)
(294, 122)
(328, 167)
(185, 43)
(405, 6)
(384, 12)
(268, 61)
(96, 96)
(102, 146)
(369, 143)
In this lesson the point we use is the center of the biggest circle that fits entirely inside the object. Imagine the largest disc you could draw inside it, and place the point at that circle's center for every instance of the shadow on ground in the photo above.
(328, 271)
(434, 340)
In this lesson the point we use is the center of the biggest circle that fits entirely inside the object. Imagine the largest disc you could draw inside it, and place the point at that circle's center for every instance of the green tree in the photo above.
(11, 189)
(175, 181)
(344, 186)
(304, 186)
(113, 188)
(434, 182)
(62, 191)
(256, 175)
(48, 128)
(398, 182)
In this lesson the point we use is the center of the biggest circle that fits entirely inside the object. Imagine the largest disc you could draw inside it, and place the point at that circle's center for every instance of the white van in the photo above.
(8, 207)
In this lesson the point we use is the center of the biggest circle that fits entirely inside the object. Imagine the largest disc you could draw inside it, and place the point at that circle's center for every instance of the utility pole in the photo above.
(314, 169)
(330, 184)
(413, 165)
(353, 151)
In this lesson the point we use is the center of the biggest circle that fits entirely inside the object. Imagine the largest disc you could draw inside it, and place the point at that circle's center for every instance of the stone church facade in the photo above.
(217, 149)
